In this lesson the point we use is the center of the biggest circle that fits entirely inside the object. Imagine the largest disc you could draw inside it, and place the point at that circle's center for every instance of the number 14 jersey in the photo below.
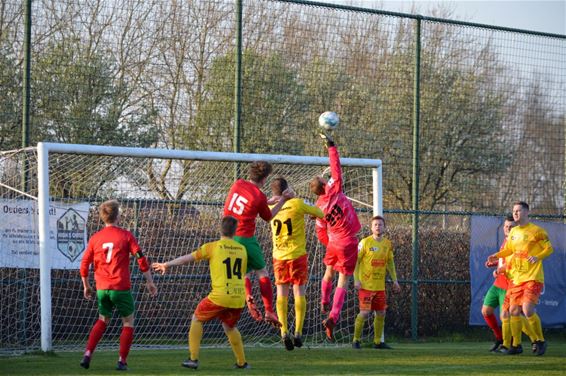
(228, 263)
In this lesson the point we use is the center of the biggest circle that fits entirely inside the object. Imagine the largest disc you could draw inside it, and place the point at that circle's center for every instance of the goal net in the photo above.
(172, 201)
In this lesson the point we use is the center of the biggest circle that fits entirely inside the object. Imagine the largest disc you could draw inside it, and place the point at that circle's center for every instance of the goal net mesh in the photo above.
(172, 206)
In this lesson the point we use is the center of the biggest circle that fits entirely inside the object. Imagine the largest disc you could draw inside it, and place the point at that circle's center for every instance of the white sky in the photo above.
(545, 15)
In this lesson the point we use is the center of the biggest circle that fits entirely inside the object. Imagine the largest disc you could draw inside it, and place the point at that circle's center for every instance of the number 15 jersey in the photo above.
(228, 262)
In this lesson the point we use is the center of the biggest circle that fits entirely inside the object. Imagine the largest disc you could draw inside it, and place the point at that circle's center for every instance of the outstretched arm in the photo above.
(162, 267)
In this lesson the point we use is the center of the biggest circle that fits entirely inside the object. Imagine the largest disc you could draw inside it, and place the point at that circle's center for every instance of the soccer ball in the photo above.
(328, 120)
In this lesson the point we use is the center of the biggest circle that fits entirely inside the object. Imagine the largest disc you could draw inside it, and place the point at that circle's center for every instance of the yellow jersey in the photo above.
(228, 261)
(375, 258)
(288, 229)
(523, 242)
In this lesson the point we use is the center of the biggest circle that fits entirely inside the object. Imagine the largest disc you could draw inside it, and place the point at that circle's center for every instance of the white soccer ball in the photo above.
(328, 120)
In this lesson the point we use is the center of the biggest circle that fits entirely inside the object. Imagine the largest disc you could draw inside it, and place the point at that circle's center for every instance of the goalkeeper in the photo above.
(109, 250)
(290, 261)
(337, 232)
(228, 261)
(375, 258)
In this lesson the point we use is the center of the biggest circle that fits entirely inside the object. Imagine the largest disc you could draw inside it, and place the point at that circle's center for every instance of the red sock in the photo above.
(94, 337)
(325, 291)
(126, 338)
(266, 293)
(248, 287)
(492, 323)
(337, 303)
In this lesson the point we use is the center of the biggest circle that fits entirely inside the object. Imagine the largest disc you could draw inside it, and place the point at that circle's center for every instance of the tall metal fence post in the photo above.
(415, 191)
(238, 85)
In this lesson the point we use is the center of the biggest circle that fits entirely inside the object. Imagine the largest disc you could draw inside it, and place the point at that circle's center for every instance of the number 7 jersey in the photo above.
(228, 262)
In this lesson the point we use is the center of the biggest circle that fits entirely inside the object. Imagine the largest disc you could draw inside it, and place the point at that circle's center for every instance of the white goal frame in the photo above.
(45, 148)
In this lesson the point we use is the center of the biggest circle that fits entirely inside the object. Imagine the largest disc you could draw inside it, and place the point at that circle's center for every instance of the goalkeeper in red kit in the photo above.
(337, 232)
(109, 251)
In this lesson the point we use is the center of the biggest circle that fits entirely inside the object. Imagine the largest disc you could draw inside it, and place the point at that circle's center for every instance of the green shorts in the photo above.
(255, 254)
(494, 297)
(122, 300)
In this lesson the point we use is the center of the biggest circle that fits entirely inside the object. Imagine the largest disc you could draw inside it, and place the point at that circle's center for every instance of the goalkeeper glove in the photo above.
(327, 139)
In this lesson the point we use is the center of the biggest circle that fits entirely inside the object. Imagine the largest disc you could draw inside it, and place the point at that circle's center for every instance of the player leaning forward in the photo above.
(109, 250)
(228, 261)
(337, 231)
(528, 244)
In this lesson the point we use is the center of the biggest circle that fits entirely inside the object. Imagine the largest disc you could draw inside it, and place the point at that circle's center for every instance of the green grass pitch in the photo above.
(462, 358)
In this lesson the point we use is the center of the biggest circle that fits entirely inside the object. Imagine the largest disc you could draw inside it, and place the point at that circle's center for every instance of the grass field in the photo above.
(462, 358)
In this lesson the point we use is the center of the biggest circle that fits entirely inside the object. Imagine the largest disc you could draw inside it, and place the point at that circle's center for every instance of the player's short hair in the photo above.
(377, 217)
(278, 185)
(109, 211)
(317, 185)
(228, 226)
(259, 170)
(509, 218)
(523, 204)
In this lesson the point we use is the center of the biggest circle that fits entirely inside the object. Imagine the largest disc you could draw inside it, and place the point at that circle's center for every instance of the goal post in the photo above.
(167, 226)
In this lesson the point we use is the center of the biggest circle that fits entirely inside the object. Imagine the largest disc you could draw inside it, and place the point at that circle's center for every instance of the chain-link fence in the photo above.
(467, 118)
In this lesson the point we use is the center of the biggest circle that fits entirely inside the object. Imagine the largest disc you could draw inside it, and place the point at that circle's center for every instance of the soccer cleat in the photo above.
(189, 363)
(288, 342)
(502, 350)
(252, 308)
(515, 350)
(243, 366)
(356, 345)
(298, 340)
(271, 318)
(382, 345)
(121, 366)
(325, 308)
(496, 345)
(328, 141)
(534, 347)
(329, 325)
(541, 348)
(85, 363)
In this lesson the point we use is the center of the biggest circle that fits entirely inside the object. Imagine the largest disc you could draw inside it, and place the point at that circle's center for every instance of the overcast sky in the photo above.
(545, 16)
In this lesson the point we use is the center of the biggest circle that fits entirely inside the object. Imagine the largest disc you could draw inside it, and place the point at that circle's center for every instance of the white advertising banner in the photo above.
(19, 234)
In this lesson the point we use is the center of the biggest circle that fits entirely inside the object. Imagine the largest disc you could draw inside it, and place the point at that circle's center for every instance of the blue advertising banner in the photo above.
(486, 238)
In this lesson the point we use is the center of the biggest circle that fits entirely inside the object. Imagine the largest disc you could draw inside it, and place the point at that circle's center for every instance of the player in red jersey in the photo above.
(109, 250)
(245, 201)
(337, 231)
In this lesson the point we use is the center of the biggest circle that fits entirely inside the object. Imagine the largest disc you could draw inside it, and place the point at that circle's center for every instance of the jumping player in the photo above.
(228, 261)
(375, 258)
(529, 245)
(290, 261)
(337, 232)
(109, 250)
(245, 201)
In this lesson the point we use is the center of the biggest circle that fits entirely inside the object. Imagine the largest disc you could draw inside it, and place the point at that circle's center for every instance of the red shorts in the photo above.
(207, 310)
(372, 300)
(527, 292)
(291, 271)
(342, 256)
(506, 302)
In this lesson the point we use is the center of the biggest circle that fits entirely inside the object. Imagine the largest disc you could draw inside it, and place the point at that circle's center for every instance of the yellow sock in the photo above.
(300, 312)
(237, 344)
(536, 326)
(195, 336)
(516, 330)
(282, 307)
(378, 323)
(506, 332)
(527, 329)
(358, 327)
